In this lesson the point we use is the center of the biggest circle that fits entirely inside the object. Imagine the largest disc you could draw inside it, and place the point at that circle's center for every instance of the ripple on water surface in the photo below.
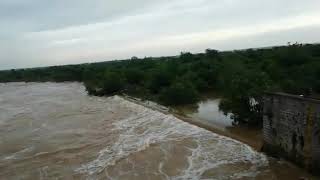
(63, 133)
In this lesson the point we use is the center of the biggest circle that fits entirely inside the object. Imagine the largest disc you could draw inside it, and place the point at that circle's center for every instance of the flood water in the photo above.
(56, 131)
(209, 112)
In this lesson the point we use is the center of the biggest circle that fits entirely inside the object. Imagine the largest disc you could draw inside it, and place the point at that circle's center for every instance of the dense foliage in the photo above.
(240, 77)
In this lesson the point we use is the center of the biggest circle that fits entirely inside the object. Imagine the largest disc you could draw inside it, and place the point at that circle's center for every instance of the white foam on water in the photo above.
(225, 152)
(157, 128)
(18, 154)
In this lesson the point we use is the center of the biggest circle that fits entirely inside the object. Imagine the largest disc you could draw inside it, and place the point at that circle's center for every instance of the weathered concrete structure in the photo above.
(291, 128)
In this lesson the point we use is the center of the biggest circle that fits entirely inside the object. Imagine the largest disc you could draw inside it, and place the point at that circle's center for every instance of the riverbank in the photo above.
(248, 135)
(251, 136)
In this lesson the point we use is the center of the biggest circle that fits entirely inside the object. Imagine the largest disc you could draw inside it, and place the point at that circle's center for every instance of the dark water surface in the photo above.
(208, 111)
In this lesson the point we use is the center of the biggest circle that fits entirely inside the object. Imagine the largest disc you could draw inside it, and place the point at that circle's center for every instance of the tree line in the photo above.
(240, 77)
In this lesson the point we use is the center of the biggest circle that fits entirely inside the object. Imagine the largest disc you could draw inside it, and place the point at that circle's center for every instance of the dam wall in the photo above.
(291, 129)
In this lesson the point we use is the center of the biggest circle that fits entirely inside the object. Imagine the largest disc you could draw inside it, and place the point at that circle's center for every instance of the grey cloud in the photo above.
(45, 32)
(46, 14)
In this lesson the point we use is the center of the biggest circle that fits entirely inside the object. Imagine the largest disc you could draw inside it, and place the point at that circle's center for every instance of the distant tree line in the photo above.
(240, 77)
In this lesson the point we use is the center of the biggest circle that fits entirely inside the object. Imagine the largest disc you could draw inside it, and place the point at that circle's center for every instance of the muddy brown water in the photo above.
(207, 114)
(56, 131)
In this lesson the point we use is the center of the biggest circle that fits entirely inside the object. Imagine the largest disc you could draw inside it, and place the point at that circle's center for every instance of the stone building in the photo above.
(291, 128)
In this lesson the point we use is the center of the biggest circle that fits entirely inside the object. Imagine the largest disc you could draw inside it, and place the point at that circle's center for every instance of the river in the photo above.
(56, 131)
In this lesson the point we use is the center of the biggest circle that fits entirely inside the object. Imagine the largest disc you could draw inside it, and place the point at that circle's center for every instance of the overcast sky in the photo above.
(52, 32)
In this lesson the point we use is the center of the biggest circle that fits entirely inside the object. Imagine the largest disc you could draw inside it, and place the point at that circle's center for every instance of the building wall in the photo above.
(291, 128)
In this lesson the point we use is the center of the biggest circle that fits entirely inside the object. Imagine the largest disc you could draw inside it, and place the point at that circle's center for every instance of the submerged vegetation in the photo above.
(240, 77)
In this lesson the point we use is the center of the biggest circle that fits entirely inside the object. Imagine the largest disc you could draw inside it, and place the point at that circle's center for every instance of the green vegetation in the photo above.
(240, 77)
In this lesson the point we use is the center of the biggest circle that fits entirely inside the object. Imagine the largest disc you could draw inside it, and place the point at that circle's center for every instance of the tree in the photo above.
(112, 82)
(134, 76)
(186, 56)
(212, 53)
(159, 78)
(243, 89)
(134, 58)
(179, 93)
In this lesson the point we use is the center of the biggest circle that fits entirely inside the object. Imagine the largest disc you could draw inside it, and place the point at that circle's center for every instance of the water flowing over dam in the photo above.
(56, 131)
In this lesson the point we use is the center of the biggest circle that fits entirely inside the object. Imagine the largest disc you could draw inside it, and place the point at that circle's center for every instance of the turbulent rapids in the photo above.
(56, 131)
